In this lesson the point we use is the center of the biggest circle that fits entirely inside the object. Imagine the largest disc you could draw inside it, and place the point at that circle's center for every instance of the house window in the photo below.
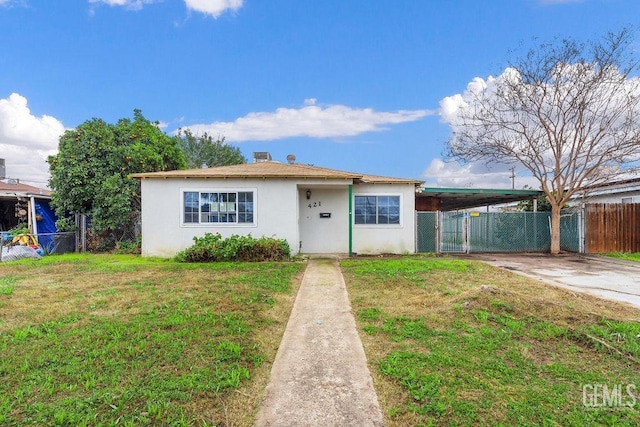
(218, 207)
(377, 210)
(626, 200)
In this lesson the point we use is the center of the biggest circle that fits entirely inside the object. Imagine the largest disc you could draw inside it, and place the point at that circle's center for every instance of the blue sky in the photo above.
(354, 85)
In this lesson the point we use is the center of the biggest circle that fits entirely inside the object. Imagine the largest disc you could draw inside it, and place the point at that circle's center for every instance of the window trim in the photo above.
(235, 190)
(378, 225)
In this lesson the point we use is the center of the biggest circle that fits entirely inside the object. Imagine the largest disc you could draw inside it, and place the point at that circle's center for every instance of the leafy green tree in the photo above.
(89, 175)
(200, 150)
(542, 203)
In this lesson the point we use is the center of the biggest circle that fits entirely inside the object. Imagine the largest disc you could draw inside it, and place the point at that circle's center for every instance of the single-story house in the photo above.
(619, 191)
(317, 210)
(25, 204)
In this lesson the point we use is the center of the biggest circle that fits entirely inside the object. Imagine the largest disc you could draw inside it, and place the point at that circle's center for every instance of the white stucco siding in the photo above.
(626, 192)
(281, 210)
(164, 232)
(622, 197)
(392, 238)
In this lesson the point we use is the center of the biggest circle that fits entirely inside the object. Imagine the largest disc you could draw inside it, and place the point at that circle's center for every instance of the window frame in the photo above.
(378, 224)
(200, 213)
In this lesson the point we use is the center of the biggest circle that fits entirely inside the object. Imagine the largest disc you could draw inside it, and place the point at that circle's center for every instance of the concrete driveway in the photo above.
(608, 278)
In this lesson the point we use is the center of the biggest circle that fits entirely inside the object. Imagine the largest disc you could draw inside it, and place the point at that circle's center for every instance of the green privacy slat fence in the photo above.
(509, 232)
(427, 231)
(452, 232)
(572, 231)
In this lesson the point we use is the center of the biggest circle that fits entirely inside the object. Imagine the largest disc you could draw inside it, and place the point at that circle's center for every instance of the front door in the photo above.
(324, 220)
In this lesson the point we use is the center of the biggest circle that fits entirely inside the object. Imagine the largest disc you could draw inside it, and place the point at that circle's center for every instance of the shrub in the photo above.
(212, 248)
(19, 229)
(128, 247)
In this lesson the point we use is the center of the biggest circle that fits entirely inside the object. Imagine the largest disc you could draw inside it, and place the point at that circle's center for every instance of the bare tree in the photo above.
(568, 112)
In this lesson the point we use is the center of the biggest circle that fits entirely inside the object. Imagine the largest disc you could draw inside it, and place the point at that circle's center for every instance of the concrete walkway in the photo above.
(320, 375)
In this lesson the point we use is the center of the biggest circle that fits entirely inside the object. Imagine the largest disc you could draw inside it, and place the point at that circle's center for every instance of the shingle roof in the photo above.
(11, 188)
(271, 169)
(376, 179)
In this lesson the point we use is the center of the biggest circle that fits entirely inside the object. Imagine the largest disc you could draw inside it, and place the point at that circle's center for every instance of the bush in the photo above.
(211, 248)
(128, 247)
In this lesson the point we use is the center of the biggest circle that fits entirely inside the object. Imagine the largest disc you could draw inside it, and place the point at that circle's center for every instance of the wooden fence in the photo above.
(613, 227)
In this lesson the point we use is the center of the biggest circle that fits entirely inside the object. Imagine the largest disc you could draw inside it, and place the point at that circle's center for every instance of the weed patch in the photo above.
(6, 285)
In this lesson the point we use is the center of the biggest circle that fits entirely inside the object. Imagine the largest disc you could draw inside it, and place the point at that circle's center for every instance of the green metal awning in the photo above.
(464, 198)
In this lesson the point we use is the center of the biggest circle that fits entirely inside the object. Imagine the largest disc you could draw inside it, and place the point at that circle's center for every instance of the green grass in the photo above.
(6, 285)
(453, 342)
(124, 340)
(630, 256)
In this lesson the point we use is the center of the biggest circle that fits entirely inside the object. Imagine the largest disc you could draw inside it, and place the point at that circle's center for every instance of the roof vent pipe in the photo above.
(291, 159)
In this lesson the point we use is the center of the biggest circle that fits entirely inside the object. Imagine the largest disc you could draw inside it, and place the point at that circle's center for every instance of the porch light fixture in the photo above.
(308, 194)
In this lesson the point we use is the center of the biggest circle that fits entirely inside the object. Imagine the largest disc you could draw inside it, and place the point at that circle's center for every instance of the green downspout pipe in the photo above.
(350, 220)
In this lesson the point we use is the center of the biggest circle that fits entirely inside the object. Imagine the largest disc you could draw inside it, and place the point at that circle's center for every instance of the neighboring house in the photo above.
(316, 210)
(622, 191)
(24, 204)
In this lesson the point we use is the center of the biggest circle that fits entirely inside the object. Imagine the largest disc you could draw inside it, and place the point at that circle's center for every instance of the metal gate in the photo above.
(427, 232)
(454, 232)
(464, 232)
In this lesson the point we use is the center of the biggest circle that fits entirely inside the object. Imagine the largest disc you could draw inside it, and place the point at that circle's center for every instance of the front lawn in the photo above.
(457, 342)
(124, 340)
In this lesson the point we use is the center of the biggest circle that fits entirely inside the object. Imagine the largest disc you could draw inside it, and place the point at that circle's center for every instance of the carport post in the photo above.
(350, 220)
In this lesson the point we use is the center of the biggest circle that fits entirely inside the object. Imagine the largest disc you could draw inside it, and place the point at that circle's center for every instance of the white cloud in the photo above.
(459, 111)
(311, 120)
(474, 175)
(129, 4)
(450, 105)
(11, 3)
(27, 140)
(214, 8)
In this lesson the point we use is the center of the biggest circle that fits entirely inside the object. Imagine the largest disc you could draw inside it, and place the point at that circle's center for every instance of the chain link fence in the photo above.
(427, 232)
(464, 232)
(123, 239)
(126, 239)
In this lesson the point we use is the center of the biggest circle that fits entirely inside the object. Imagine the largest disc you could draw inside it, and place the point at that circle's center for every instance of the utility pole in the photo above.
(513, 177)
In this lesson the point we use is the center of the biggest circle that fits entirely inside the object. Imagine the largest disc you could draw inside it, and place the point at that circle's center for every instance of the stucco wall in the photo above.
(163, 230)
(393, 239)
(281, 210)
(632, 196)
